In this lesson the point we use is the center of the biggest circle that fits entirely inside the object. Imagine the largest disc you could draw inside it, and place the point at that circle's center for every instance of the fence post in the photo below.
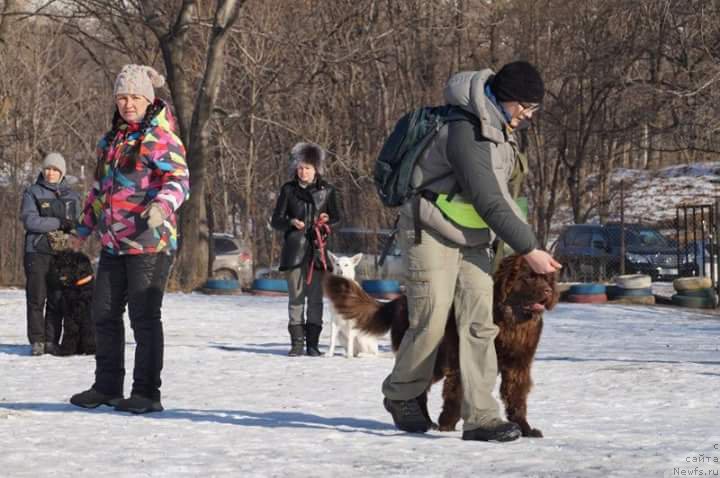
(714, 241)
(622, 226)
(677, 237)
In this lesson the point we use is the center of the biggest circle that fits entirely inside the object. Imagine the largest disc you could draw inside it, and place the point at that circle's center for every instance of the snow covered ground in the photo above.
(620, 391)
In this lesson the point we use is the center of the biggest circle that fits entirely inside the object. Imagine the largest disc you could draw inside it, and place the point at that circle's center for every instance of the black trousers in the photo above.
(138, 282)
(44, 303)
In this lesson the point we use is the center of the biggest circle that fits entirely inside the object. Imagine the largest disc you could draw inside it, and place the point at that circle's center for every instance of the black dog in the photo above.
(73, 274)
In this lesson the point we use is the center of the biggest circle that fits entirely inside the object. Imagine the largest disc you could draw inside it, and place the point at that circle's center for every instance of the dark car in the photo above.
(592, 252)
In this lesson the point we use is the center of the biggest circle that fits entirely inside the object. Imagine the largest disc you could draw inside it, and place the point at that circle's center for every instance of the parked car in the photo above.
(233, 259)
(592, 252)
(351, 240)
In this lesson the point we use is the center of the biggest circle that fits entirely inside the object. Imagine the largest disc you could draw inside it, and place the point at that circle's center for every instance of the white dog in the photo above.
(356, 343)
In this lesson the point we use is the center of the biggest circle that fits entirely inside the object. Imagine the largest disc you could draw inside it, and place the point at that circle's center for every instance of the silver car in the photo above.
(233, 260)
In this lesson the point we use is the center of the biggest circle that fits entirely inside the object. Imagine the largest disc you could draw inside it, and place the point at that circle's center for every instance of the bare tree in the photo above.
(192, 261)
(190, 36)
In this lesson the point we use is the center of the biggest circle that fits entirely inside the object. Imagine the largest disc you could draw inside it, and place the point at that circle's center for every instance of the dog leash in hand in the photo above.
(321, 231)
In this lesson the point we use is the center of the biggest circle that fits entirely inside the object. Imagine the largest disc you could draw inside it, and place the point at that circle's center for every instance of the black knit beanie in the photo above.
(518, 81)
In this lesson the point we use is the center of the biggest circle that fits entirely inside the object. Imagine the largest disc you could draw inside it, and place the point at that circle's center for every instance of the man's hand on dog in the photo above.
(541, 262)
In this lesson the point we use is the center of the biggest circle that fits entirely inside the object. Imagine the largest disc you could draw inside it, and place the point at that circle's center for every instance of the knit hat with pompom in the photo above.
(138, 80)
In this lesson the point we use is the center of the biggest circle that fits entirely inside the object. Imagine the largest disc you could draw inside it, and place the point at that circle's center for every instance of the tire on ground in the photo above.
(221, 287)
(270, 285)
(614, 291)
(693, 302)
(633, 281)
(588, 298)
(692, 283)
(587, 289)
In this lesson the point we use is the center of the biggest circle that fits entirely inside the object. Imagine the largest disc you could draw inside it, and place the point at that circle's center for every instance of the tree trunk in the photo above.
(191, 267)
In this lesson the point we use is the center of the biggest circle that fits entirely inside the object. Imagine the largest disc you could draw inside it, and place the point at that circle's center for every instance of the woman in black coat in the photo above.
(304, 201)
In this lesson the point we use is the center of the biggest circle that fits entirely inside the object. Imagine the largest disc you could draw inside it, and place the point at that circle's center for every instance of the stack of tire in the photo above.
(695, 292)
(587, 293)
(270, 287)
(632, 289)
(221, 287)
(382, 289)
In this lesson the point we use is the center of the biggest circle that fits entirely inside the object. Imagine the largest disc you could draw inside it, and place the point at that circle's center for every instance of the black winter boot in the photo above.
(297, 339)
(92, 399)
(312, 332)
(497, 430)
(138, 404)
(408, 415)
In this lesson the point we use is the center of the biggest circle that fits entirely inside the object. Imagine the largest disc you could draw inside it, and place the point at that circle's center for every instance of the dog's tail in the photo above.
(353, 303)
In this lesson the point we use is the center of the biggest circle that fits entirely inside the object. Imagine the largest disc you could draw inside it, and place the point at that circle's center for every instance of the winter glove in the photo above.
(67, 225)
(58, 240)
(155, 215)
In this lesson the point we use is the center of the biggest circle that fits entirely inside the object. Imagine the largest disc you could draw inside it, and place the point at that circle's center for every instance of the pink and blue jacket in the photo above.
(124, 190)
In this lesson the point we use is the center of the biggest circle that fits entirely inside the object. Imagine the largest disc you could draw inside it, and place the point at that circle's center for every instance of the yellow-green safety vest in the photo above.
(464, 214)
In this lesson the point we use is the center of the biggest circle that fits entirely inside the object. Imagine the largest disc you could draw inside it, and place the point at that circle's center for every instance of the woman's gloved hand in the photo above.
(154, 215)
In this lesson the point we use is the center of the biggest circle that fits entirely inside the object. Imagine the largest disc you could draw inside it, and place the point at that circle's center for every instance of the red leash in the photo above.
(321, 231)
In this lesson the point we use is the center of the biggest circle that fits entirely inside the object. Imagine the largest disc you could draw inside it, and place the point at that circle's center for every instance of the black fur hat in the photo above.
(308, 153)
(518, 81)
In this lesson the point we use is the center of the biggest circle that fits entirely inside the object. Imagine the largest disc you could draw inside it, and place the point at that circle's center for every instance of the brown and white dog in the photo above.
(520, 298)
(356, 342)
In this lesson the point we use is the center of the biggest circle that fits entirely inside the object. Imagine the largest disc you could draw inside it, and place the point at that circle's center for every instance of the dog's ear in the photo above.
(356, 258)
(555, 298)
(332, 257)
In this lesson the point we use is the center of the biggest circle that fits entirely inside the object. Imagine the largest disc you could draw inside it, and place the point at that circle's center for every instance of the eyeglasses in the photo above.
(530, 107)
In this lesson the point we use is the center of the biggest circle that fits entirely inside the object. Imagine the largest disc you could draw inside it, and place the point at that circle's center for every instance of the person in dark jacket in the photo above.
(141, 178)
(48, 205)
(304, 202)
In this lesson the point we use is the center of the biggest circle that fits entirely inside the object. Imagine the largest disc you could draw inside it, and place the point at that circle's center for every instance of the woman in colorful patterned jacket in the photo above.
(141, 179)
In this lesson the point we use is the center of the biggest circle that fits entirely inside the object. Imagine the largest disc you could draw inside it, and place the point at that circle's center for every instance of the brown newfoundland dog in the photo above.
(520, 298)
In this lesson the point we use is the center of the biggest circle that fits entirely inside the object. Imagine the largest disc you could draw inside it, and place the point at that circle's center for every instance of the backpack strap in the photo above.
(452, 113)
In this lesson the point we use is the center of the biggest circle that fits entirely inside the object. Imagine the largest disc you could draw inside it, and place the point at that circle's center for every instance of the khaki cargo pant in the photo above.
(440, 274)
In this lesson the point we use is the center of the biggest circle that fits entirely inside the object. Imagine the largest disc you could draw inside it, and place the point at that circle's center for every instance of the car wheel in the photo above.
(224, 274)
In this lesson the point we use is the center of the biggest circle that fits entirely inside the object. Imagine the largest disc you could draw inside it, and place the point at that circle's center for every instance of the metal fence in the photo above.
(684, 246)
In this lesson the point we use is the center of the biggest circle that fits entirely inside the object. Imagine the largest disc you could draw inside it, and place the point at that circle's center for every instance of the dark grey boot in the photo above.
(297, 339)
(312, 333)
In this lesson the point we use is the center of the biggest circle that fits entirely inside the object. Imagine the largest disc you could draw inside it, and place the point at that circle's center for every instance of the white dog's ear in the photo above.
(333, 257)
(356, 258)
